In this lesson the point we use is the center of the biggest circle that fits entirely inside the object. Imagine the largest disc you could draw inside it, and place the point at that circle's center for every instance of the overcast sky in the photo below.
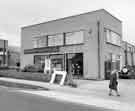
(17, 13)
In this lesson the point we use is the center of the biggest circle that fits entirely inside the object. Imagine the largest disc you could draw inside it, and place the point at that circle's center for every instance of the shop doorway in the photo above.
(108, 65)
(111, 62)
(75, 64)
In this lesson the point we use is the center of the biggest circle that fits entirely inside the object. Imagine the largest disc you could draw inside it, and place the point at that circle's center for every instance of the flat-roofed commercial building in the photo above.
(129, 54)
(88, 45)
(3, 52)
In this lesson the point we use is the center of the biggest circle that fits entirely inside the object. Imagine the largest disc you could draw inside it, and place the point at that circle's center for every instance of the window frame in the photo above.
(82, 31)
(56, 35)
(111, 41)
(38, 41)
(63, 43)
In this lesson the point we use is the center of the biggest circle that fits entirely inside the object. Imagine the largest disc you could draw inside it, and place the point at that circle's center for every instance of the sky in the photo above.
(15, 14)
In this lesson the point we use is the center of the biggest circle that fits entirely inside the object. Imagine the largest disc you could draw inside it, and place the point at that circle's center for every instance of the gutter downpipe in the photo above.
(98, 32)
(125, 52)
(4, 61)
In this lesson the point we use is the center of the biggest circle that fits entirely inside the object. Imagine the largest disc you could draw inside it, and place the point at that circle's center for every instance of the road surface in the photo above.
(11, 100)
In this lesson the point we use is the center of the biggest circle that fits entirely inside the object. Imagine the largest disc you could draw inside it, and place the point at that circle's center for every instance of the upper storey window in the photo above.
(74, 37)
(39, 42)
(129, 49)
(113, 37)
(55, 40)
(62, 39)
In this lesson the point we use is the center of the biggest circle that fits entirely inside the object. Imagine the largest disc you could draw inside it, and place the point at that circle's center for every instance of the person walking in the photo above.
(113, 82)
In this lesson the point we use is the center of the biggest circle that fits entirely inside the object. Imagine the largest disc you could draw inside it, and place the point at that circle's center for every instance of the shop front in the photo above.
(75, 64)
(71, 62)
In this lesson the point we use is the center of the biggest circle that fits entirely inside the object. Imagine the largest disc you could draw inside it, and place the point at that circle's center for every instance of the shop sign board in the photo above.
(47, 65)
(41, 50)
(63, 73)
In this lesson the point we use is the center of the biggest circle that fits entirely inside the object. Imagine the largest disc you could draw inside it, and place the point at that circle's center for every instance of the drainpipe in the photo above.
(126, 62)
(99, 62)
(4, 56)
(125, 57)
(132, 58)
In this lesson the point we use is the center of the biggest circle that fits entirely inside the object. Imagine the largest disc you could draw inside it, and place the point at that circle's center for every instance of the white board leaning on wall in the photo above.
(62, 73)
(47, 65)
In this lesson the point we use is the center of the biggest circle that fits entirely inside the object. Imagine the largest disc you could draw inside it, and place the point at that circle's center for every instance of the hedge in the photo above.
(35, 76)
(25, 75)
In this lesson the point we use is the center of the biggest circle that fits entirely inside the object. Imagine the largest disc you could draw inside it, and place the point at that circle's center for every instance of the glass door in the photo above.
(75, 64)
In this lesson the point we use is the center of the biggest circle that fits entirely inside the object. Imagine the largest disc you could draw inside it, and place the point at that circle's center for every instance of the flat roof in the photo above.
(3, 39)
(73, 16)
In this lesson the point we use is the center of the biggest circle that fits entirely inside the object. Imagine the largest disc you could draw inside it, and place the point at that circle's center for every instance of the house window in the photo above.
(74, 37)
(39, 42)
(108, 36)
(113, 37)
(35, 42)
(57, 61)
(129, 49)
(55, 40)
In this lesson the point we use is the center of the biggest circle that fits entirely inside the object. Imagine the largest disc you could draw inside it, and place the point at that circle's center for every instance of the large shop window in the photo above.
(56, 61)
(39, 59)
(39, 42)
(113, 37)
(55, 40)
(116, 62)
(74, 37)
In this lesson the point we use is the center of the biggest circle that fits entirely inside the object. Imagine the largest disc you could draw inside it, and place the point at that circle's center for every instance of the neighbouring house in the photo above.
(13, 56)
(129, 54)
(3, 53)
(87, 45)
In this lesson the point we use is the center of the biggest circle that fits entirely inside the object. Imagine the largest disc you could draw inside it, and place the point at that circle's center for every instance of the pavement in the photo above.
(88, 92)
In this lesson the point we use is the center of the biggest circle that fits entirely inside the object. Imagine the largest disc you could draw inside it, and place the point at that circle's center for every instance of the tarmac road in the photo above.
(12, 100)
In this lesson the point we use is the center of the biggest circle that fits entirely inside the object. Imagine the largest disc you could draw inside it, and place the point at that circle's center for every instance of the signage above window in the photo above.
(41, 50)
